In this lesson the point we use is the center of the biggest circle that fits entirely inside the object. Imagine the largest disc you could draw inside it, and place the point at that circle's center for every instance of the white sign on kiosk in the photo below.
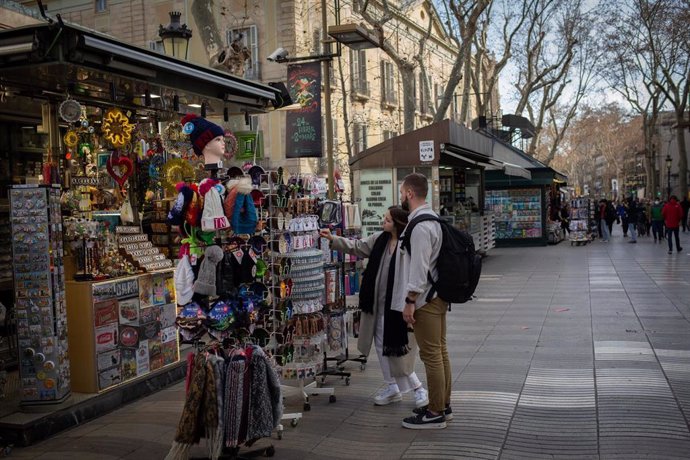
(426, 151)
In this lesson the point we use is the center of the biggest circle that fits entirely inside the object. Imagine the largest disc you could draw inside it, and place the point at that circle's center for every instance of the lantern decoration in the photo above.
(174, 171)
(116, 128)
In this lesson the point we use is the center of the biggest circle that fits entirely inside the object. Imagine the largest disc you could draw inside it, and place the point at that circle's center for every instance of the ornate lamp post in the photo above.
(175, 36)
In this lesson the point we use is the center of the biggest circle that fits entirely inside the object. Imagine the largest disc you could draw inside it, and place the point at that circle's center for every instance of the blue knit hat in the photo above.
(201, 131)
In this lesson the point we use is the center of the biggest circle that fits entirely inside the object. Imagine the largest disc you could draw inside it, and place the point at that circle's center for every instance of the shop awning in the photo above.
(484, 161)
(65, 58)
(517, 171)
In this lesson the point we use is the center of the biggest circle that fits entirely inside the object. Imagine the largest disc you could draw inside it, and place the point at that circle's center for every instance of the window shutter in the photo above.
(383, 82)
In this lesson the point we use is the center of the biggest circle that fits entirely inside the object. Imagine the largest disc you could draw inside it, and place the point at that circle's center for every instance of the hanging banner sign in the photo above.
(303, 126)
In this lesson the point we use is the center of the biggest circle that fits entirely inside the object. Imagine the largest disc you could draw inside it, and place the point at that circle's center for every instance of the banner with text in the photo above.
(303, 126)
(377, 192)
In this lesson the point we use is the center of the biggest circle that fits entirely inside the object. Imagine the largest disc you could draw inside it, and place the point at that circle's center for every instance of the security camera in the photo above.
(278, 55)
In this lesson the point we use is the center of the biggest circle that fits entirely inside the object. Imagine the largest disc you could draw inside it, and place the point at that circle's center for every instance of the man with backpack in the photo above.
(421, 307)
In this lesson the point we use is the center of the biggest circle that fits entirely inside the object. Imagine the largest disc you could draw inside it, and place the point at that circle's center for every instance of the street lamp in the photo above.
(175, 36)
(668, 175)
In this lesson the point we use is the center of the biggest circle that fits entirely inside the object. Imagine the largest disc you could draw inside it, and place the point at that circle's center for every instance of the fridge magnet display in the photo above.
(129, 336)
(169, 353)
(168, 334)
(155, 348)
(106, 337)
(105, 312)
(143, 359)
(163, 289)
(150, 331)
(168, 315)
(156, 362)
(109, 359)
(129, 363)
(146, 290)
(129, 311)
(109, 377)
(149, 314)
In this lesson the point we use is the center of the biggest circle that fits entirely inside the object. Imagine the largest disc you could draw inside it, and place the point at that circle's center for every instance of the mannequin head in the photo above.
(207, 138)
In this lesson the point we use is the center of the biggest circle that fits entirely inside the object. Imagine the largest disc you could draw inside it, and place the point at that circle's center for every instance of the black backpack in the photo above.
(459, 266)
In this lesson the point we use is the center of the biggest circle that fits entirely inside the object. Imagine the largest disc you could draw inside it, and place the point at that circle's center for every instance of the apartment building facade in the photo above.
(366, 88)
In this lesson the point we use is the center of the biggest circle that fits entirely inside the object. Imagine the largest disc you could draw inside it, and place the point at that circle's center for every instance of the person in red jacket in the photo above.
(673, 214)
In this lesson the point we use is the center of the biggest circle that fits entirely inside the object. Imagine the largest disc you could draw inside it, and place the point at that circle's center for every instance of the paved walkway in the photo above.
(570, 352)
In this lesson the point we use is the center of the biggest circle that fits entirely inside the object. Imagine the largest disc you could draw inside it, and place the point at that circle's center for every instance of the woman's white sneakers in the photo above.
(388, 395)
(421, 397)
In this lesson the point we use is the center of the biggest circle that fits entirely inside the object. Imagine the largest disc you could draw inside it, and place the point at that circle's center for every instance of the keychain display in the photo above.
(39, 293)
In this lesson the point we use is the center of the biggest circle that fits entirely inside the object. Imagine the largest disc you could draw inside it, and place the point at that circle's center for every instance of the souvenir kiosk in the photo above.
(454, 159)
(81, 116)
(521, 204)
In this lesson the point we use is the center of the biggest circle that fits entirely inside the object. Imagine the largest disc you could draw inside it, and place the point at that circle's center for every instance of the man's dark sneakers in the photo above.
(448, 412)
(425, 421)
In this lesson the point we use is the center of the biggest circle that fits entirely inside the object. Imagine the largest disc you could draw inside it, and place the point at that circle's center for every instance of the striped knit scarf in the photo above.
(234, 387)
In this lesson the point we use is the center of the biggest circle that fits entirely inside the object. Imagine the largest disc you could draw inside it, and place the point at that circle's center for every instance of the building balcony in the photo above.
(360, 90)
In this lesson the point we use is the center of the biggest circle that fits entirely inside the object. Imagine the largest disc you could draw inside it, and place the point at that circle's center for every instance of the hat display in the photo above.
(257, 197)
(201, 131)
(184, 281)
(235, 172)
(255, 172)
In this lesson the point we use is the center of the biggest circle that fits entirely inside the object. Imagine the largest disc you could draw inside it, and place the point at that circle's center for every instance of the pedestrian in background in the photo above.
(603, 227)
(685, 204)
(565, 218)
(633, 210)
(379, 323)
(413, 293)
(611, 216)
(673, 214)
(657, 221)
(622, 211)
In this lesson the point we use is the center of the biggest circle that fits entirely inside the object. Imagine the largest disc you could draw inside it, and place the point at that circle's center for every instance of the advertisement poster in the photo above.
(105, 312)
(106, 337)
(303, 126)
(129, 363)
(146, 290)
(108, 359)
(377, 192)
(143, 366)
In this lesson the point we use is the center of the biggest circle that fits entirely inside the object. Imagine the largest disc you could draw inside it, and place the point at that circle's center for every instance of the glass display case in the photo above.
(518, 212)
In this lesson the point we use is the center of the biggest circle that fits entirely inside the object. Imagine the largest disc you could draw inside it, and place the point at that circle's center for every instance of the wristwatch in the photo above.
(408, 300)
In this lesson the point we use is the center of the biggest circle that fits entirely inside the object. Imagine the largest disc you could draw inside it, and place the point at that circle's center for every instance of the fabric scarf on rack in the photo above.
(189, 429)
(215, 439)
(234, 385)
(265, 406)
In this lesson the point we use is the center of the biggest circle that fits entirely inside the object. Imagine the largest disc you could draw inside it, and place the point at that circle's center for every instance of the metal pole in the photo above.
(327, 103)
(668, 182)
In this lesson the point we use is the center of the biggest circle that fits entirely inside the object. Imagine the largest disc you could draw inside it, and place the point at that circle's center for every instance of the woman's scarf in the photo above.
(367, 290)
(395, 341)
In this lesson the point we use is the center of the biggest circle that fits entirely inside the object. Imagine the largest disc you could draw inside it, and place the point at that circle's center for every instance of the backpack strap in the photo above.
(407, 234)
(405, 244)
